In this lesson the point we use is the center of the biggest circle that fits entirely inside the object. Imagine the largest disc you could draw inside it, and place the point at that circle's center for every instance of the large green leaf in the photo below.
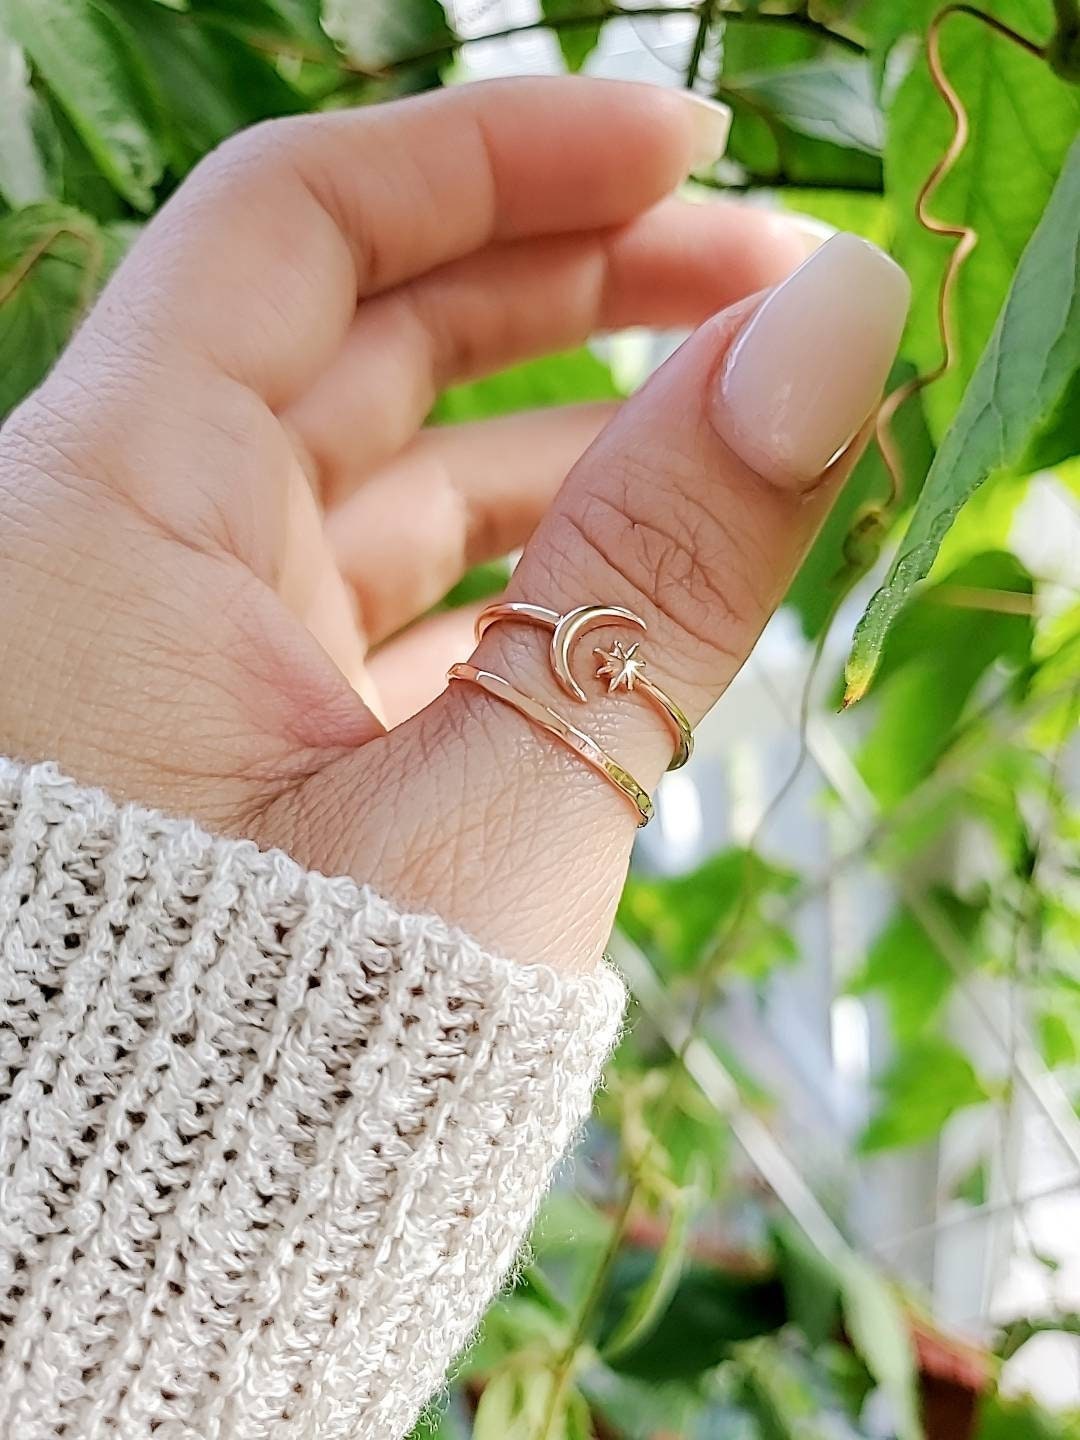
(577, 41)
(28, 144)
(927, 1082)
(51, 261)
(1022, 121)
(87, 59)
(379, 33)
(1030, 358)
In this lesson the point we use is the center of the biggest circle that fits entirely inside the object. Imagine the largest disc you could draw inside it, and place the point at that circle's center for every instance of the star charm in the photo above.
(621, 664)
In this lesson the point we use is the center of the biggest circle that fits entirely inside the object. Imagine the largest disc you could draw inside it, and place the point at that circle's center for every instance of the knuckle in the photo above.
(263, 146)
(681, 559)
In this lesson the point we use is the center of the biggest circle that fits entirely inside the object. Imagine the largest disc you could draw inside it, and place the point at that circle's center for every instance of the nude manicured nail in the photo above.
(712, 122)
(807, 369)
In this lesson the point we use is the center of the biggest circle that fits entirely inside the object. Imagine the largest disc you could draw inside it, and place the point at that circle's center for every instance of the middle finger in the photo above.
(672, 266)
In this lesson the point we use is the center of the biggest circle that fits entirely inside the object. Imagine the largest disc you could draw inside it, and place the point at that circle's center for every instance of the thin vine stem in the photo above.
(701, 39)
(965, 236)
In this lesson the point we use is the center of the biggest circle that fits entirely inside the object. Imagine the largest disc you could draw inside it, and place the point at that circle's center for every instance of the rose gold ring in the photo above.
(551, 721)
(621, 665)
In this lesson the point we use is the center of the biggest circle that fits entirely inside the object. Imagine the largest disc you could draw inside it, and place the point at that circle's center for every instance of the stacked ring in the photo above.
(620, 665)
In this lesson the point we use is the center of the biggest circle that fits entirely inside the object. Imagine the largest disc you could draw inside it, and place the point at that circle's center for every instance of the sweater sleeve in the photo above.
(268, 1146)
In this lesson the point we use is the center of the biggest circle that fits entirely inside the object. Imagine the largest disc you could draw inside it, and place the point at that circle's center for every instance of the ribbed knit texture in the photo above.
(267, 1146)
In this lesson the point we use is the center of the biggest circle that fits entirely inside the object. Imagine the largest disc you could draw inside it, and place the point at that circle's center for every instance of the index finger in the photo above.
(290, 223)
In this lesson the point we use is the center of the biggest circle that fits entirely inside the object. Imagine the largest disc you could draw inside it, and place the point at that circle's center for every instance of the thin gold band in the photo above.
(625, 670)
(561, 729)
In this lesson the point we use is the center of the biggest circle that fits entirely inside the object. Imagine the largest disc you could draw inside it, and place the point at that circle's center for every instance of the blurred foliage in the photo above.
(676, 1291)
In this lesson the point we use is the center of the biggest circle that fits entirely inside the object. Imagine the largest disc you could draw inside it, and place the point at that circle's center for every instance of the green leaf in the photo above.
(817, 123)
(879, 1331)
(376, 34)
(907, 969)
(287, 20)
(750, 45)
(641, 1410)
(927, 1082)
(1001, 1419)
(811, 1283)
(566, 379)
(51, 261)
(1022, 122)
(655, 1294)
(973, 1187)
(679, 920)
(578, 41)
(1031, 356)
(88, 60)
(29, 147)
(786, 1392)
(941, 646)
(709, 1312)
(211, 83)
(859, 211)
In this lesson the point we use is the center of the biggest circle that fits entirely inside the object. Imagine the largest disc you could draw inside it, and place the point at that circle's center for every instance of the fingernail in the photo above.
(807, 369)
(712, 122)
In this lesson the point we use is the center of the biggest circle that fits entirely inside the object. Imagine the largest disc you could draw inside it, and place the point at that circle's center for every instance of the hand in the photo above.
(223, 498)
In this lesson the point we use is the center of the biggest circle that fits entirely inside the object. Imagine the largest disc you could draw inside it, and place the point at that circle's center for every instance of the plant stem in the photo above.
(693, 65)
(791, 19)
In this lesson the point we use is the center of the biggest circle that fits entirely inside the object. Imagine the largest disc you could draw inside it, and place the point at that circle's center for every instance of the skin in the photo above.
(221, 506)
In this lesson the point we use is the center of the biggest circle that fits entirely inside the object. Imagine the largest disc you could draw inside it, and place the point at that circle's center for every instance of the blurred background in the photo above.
(832, 1189)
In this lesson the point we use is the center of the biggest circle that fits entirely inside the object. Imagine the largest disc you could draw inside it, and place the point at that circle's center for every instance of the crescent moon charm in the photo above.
(623, 667)
(572, 626)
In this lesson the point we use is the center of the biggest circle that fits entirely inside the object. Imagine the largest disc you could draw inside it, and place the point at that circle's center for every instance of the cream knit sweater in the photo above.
(267, 1146)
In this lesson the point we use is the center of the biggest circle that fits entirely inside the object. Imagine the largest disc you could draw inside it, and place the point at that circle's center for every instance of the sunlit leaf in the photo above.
(1030, 358)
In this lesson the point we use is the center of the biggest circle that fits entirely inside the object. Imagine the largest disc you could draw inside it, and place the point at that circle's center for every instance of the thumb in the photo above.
(692, 510)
